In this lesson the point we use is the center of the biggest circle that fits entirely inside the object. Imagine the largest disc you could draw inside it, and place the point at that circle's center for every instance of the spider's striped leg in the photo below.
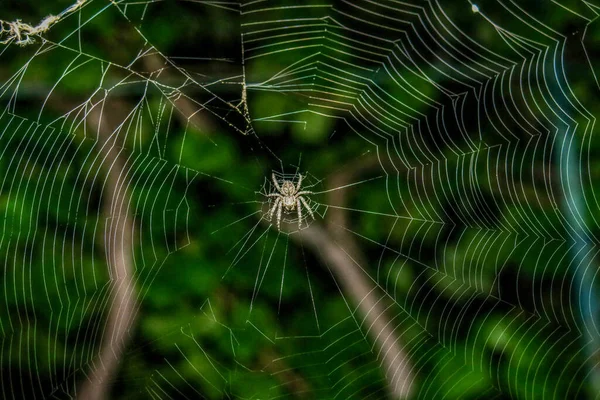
(277, 202)
(299, 184)
(279, 216)
(307, 206)
(298, 206)
(303, 192)
(275, 182)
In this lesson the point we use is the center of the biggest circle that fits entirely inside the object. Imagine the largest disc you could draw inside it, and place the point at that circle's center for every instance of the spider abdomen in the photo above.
(289, 203)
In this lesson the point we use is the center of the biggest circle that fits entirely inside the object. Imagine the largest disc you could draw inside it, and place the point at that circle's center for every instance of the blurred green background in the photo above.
(468, 140)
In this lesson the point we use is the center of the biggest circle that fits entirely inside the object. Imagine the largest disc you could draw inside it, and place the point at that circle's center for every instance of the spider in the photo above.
(290, 197)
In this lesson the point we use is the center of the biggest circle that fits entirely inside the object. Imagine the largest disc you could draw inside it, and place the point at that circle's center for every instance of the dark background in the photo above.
(137, 142)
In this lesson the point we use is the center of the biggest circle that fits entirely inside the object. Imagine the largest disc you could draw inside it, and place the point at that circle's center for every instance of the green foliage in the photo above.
(467, 251)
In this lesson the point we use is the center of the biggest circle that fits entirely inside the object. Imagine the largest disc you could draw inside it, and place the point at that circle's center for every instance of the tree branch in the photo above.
(343, 254)
(362, 290)
(337, 249)
(118, 235)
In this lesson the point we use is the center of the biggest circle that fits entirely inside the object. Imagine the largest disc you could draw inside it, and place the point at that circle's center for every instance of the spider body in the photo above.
(289, 198)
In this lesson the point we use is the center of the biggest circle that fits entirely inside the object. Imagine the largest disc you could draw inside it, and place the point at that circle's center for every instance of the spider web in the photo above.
(450, 155)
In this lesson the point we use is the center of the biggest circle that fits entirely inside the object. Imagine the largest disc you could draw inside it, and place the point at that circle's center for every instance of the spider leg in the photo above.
(299, 213)
(300, 198)
(273, 195)
(299, 184)
(277, 202)
(279, 216)
(275, 182)
(303, 192)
